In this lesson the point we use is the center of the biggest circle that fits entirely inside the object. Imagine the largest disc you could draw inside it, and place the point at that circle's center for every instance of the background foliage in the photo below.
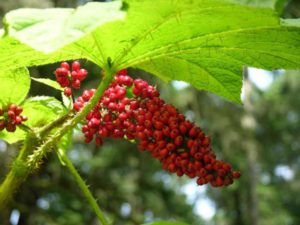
(260, 139)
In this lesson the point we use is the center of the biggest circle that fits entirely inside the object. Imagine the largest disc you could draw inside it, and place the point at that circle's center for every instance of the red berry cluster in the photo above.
(70, 79)
(180, 145)
(11, 117)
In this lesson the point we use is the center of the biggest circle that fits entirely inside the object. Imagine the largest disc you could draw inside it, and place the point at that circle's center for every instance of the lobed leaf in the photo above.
(48, 30)
(205, 43)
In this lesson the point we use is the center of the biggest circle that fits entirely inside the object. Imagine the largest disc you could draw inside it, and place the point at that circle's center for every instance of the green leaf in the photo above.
(48, 82)
(40, 111)
(15, 55)
(14, 86)
(50, 29)
(205, 43)
(166, 223)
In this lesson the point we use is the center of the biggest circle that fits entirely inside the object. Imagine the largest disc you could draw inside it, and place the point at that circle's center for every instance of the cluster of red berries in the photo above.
(70, 79)
(132, 109)
(11, 117)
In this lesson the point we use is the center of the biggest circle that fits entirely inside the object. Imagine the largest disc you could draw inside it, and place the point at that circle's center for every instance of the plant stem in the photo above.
(37, 156)
(13, 180)
(59, 121)
(82, 185)
(8, 188)
(18, 173)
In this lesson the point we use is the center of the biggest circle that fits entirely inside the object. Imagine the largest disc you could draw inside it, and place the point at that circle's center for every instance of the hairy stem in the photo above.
(25, 167)
(18, 173)
(83, 186)
(38, 154)
(58, 122)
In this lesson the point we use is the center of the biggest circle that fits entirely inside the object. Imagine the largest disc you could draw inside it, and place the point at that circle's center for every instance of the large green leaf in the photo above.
(14, 86)
(40, 111)
(51, 29)
(203, 42)
(166, 223)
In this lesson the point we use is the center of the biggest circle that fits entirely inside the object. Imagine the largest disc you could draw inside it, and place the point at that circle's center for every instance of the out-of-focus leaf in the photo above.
(50, 29)
(290, 22)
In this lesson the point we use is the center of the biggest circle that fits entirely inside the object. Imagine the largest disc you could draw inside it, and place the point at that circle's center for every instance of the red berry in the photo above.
(236, 174)
(67, 91)
(76, 84)
(18, 120)
(64, 82)
(74, 75)
(81, 74)
(2, 124)
(122, 72)
(98, 141)
(77, 106)
(61, 73)
(178, 140)
(75, 66)
(13, 107)
(10, 127)
(65, 65)
(18, 110)
(134, 105)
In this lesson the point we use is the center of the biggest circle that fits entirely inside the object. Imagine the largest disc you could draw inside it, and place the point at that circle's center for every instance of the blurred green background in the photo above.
(260, 138)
